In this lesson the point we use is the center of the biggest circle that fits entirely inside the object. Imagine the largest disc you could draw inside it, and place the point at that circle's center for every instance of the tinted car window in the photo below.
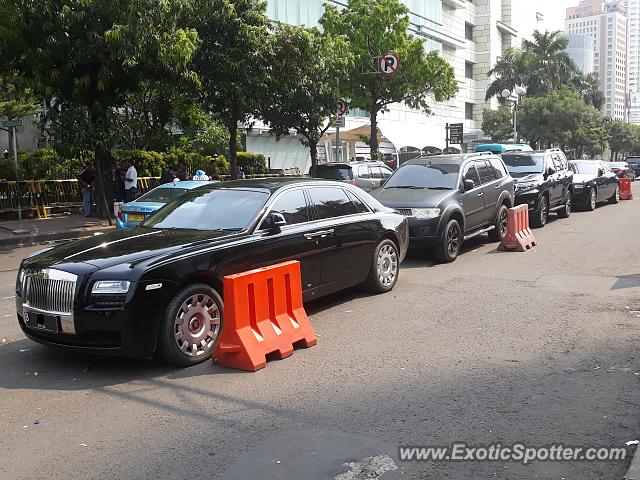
(470, 173)
(357, 203)
(331, 202)
(333, 172)
(435, 176)
(486, 173)
(363, 171)
(498, 168)
(524, 163)
(293, 207)
(161, 195)
(218, 209)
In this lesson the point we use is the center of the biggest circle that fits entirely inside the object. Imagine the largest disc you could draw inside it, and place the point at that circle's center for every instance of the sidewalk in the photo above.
(56, 227)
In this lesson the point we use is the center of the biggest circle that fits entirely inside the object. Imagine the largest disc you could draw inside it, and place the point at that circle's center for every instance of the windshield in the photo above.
(333, 173)
(161, 195)
(585, 168)
(433, 176)
(519, 163)
(217, 209)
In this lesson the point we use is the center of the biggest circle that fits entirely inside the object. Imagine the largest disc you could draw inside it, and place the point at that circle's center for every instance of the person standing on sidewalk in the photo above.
(130, 182)
(87, 181)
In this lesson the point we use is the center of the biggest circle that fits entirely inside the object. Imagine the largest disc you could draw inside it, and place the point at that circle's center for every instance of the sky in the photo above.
(555, 11)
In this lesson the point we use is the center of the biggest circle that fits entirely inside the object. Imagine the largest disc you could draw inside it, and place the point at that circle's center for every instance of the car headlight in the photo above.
(20, 279)
(425, 212)
(111, 287)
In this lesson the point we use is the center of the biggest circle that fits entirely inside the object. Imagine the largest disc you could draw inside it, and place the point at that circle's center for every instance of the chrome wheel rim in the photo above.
(502, 223)
(543, 211)
(387, 265)
(197, 325)
(453, 240)
(593, 199)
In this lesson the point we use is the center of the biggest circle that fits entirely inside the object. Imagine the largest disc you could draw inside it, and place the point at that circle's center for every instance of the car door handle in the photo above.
(320, 234)
(498, 187)
(481, 194)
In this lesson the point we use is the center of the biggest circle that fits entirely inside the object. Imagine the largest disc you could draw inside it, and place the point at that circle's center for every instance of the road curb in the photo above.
(634, 469)
(34, 238)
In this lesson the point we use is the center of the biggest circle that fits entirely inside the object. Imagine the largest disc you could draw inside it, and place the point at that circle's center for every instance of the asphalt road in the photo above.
(538, 347)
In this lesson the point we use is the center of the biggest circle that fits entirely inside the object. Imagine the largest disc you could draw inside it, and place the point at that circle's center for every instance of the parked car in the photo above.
(593, 182)
(159, 286)
(451, 198)
(134, 213)
(500, 148)
(634, 163)
(623, 170)
(544, 182)
(366, 175)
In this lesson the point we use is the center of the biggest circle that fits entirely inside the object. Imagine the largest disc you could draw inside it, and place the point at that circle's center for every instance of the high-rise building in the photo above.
(633, 40)
(603, 25)
(470, 35)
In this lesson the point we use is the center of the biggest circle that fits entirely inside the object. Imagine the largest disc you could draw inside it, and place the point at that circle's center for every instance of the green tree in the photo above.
(231, 61)
(372, 28)
(511, 70)
(550, 64)
(91, 55)
(589, 87)
(623, 138)
(16, 101)
(306, 70)
(498, 124)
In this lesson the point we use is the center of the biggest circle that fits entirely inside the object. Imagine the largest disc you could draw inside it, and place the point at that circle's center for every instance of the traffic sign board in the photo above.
(343, 107)
(456, 133)
(388, 64)
(339, 122)
(12, 123)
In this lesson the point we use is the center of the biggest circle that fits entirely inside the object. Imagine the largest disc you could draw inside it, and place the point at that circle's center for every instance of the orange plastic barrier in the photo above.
(519, 236)
(263, 315)
(625, 189)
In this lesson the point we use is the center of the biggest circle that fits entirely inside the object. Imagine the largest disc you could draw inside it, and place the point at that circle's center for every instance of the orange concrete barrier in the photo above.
(519, 236)
(263, 315)
(625, 189)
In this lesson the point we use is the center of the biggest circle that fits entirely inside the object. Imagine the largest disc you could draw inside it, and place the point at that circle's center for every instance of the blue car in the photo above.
(500, 148)
(134, 213)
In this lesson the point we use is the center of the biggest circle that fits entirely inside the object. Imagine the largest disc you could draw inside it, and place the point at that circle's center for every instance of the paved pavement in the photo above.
(57, 227)
(539, 347)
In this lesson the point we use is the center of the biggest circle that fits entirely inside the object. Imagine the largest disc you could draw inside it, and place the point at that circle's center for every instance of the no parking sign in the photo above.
(388, 64)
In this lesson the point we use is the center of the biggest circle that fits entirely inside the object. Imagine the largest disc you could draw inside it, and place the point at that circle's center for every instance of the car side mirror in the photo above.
(600, 172)
(274, 222)
(469, 185)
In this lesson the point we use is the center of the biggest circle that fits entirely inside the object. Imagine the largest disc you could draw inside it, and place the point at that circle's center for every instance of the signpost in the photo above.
(388, 64)
(456, 133)
(339, 122)
(13, 124)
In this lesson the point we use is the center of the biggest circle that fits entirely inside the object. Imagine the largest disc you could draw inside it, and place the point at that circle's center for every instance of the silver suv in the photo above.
(366, 175)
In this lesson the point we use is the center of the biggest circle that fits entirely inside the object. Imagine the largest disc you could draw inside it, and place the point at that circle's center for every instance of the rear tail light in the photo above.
(120, 215)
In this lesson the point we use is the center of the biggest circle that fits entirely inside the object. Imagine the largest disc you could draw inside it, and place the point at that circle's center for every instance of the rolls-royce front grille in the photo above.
(49, 295)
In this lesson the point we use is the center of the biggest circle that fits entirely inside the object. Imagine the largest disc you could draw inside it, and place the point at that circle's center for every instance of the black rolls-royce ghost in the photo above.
(594, 181)
(158, 287)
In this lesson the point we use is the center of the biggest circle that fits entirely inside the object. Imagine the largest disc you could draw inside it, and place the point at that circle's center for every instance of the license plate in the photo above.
(132, 217)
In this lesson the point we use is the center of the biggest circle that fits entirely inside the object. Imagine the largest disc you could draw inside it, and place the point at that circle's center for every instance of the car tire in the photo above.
(541, 215)
(193, 316)
(592, 201)
(449, 245)
(615, 198)
(385, 267)
(500, 224)
(568, 205)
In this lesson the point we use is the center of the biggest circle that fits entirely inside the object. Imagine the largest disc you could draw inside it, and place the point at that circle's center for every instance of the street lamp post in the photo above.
(514, 98)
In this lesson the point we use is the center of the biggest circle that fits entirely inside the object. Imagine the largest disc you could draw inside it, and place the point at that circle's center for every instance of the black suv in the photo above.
(544, 182)
(451, 198)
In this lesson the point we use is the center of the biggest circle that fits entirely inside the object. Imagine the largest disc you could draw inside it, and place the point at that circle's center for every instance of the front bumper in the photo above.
(127, 330)
(581, 195)
(423, 232)
(531, 198)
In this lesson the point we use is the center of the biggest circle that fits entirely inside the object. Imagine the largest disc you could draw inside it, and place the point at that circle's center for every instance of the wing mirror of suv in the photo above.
(600, 172)
(274, 222)
(550, 171)
(469, 185)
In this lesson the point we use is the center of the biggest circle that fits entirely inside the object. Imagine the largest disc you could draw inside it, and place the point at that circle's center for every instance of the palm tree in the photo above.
(551, 64)
(589, 87)
(510, 70)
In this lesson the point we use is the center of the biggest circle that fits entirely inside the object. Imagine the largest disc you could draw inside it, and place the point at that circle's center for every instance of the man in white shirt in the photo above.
(130, 183)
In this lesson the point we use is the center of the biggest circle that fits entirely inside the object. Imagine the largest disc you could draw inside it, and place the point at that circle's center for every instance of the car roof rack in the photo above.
(478, 154)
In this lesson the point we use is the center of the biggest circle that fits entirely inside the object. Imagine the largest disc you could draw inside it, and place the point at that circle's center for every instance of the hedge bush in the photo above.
(253, 163)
